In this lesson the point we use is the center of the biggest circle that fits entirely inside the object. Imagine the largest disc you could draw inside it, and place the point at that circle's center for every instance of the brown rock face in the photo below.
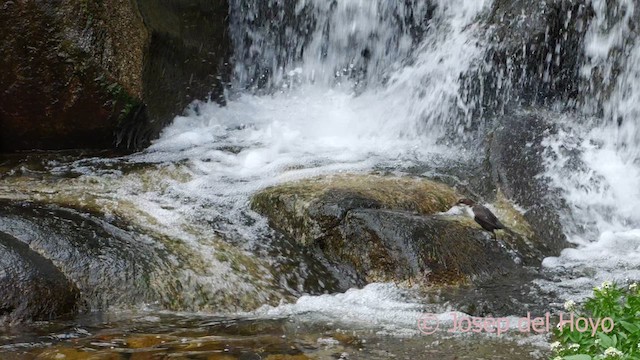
(104, 74)
(186, 59)
(55, 92)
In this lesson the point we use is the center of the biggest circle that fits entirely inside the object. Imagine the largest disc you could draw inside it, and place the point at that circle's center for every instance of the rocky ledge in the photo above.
(373, 228)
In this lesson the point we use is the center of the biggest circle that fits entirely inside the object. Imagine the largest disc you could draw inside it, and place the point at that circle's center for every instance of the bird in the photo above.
(483, 216)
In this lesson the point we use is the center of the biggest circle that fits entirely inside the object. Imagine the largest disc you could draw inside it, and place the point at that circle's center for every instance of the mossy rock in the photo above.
(385, 228)
(308, 208)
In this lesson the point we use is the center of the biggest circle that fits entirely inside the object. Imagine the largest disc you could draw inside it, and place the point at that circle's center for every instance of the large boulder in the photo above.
(101, 74)
(383, 228)
(308, 209)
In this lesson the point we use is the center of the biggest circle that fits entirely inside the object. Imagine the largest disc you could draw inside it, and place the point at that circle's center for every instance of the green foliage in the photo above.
(120, 99)
(621, 342)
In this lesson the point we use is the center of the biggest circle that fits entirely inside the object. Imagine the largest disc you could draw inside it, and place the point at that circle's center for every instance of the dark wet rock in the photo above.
(108, 265)
(187, 59)
(298, 271)
(386, 245)
(506, 294)
(69, 73)
(375, 228)
(535, 55)
(516, 157)
(104, 74)
(203, 271)
(32, 288)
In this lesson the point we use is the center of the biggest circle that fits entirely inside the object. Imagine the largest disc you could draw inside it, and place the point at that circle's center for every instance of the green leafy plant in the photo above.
(619, 339)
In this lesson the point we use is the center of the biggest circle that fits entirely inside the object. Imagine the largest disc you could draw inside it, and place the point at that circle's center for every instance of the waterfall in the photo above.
(320, 87)
(279, 43)
(404, 58)
(352, 85)
(595, 156)
(348, 84)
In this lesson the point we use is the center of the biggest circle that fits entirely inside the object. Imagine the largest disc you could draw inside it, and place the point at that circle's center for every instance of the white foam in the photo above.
(319, 127)
(380, 306)
(393, 311)
(596, 163)
(315, 127)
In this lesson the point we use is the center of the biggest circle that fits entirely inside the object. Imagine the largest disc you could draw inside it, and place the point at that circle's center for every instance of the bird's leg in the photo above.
(425, 276)
(494, 235)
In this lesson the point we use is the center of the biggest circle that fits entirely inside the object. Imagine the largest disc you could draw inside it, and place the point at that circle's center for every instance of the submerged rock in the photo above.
(381, 228)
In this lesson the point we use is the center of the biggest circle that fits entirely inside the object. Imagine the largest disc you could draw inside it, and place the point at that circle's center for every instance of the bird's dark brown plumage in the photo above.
(483, 216)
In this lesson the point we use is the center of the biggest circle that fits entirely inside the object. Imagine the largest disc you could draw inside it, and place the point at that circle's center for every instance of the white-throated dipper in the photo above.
(483, 216)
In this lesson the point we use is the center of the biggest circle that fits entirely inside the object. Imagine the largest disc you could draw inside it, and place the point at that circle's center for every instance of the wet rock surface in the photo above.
(33, 288)
(516, 156)
(69, 74)
(120, 255)
(94, 255)
(389, 245)
(112, 264)
(309, 208)
(401, 236)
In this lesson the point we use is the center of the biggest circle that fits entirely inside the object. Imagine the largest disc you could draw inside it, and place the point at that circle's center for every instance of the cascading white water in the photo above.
(280, 43)
(317, 124)
(353, 85)
(324, 105)
(596, 161)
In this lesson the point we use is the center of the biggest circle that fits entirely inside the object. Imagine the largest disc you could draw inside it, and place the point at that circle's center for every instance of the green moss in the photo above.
(122, 102)
(396, 193)
(511, 217)
(287, 205)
